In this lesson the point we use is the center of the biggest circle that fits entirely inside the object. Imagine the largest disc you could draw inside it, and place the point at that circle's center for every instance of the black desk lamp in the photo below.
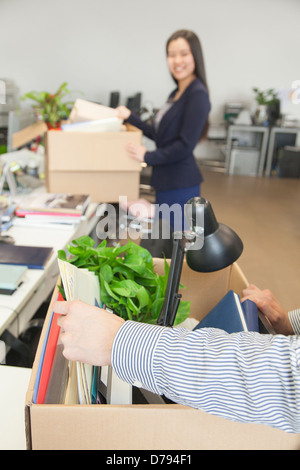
(209, 246)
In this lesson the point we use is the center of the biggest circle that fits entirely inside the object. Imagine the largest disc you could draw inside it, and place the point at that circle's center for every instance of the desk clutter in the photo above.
(37, 209)
(51, 208)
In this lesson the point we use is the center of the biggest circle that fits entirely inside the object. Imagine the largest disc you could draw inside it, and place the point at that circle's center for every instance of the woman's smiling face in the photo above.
(180, 60)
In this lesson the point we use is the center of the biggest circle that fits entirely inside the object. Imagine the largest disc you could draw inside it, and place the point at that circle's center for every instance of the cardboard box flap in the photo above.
(26, 135)
(205, 290)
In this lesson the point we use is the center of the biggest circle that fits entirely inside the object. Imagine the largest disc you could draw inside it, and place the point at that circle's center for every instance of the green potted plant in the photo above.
(128, 283)
(268, 106)
(50, 106)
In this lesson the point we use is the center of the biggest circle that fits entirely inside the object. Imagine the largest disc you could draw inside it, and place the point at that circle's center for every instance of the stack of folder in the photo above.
(51, 208)
(59, 381)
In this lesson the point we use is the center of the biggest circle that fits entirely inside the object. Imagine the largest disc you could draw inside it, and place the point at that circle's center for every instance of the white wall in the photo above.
(99, 46)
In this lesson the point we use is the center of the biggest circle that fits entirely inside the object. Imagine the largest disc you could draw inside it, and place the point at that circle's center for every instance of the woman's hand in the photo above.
(270, 307)
(136, 151)
(123, 112)
(87, 332)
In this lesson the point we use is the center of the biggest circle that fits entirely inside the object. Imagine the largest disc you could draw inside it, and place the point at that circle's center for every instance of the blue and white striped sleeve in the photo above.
(294, 317)
(245, 377)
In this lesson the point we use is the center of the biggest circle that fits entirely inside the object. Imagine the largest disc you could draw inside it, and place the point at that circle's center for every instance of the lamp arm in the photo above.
(172, 298)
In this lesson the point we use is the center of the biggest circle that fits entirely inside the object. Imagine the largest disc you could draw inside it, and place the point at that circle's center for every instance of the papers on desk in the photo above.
(51, 210)
(31, 221)
(53, 203)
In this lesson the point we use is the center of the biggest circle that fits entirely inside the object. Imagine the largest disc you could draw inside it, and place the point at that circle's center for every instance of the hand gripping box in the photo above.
(151, 426)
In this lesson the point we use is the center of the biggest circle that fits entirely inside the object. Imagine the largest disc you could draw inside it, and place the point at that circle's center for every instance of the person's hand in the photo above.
(87, 332)
(136, 151)
(123, 112)
(270, 307)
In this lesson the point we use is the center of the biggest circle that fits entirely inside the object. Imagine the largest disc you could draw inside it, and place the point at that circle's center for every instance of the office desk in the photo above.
(16, 310)
(273, 133)
(260, 132)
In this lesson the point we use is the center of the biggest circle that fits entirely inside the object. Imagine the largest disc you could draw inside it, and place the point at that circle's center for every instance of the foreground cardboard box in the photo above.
(152, 427)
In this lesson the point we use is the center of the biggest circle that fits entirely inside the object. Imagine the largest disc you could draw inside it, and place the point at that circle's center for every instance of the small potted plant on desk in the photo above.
(268, 107)
(50, 107)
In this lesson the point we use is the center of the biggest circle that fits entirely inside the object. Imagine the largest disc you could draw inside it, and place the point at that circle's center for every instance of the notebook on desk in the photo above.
(34, 257)
(11, 277)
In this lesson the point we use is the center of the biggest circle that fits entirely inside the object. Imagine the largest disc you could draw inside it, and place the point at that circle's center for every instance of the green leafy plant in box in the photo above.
(128, 284)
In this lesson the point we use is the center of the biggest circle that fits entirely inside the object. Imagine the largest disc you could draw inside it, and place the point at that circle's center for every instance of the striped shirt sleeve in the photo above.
(294, 317)
(245, 377)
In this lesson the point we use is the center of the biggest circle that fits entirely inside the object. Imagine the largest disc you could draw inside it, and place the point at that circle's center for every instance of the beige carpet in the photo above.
(265, 212)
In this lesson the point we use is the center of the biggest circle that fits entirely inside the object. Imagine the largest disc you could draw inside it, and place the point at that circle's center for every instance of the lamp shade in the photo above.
(221, 246)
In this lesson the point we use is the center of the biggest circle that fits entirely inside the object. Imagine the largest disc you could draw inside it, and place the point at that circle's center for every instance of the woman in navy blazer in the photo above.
(178, 126)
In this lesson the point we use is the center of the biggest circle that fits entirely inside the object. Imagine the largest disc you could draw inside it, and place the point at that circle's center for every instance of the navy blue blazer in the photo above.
(173, 162)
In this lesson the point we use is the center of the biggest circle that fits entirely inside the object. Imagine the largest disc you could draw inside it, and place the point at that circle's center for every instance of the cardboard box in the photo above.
(94, 163)
(152, 427)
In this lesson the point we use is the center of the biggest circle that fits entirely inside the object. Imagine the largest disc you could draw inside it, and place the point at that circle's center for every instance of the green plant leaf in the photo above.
(107, 273)
(143, 298)
(123, 271)
(126, 288)
(61, 254)
(136, 263)
(183, 312)
(84, 241)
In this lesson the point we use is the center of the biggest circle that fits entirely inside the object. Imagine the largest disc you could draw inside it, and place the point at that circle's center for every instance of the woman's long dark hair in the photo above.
(196, 50)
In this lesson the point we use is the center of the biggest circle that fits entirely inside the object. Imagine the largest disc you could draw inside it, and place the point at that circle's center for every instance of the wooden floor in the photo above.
(265, 212)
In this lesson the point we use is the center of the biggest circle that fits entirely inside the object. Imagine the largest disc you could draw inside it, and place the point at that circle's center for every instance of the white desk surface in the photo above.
(13, 387)
(58, 238)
